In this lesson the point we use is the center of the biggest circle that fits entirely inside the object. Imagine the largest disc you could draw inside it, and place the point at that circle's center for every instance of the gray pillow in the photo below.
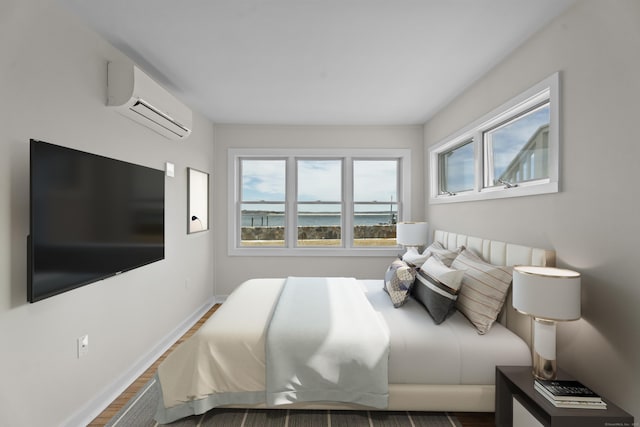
(436, 287)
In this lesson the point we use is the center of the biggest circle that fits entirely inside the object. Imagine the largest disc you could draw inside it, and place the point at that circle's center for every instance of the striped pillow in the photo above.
(484, 289)
(436, 287)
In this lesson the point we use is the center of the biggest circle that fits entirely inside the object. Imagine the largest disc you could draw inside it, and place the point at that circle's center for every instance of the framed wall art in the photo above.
(197, 201)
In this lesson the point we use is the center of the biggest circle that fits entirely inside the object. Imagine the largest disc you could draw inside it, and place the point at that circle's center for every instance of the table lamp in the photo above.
(412, 235)
(548, 295)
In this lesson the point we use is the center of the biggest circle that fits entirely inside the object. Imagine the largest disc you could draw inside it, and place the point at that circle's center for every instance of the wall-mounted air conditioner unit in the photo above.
(135, 95)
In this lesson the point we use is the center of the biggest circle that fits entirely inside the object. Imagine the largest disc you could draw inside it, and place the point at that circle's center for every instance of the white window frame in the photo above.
(348, 155)
(547, 89)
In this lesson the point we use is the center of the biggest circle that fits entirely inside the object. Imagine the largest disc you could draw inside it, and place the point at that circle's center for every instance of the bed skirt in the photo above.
(414, 397)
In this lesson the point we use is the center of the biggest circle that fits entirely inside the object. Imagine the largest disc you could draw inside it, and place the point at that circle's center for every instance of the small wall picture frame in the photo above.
(197, 201)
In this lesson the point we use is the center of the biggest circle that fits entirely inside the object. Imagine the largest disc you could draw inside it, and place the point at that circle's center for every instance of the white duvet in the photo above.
(225, 361)
(323, 341)
(326, 343)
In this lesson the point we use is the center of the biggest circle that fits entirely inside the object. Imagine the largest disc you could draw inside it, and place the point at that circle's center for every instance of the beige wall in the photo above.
(593, 222)
(53, 87)
(230, 271)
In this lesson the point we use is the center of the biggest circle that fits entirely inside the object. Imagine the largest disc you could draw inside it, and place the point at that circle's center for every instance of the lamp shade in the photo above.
(412, 233)
(547, 293)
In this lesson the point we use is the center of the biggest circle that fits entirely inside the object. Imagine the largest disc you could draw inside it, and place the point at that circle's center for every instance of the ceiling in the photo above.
(326, 62)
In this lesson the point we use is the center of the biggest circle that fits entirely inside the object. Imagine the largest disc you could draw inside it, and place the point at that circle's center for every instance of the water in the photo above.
(277, 220)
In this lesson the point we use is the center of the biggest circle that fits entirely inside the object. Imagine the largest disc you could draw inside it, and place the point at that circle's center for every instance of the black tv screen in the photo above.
(91, 217)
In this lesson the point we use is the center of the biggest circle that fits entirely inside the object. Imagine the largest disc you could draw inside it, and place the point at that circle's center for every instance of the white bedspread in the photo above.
(451, 353)
(224, 362)
(326, 343)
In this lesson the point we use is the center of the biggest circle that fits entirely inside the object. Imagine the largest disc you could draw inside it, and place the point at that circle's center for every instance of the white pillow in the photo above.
(412, 256)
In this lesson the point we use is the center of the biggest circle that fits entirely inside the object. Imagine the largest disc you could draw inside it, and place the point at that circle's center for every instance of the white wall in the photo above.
(230, 271)
(53, 88)
(593, 222)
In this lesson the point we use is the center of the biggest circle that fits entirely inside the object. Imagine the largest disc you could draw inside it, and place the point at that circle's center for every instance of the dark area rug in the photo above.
(139, 411)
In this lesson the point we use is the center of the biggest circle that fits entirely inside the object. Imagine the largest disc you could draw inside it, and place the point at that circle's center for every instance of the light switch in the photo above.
(170, 168)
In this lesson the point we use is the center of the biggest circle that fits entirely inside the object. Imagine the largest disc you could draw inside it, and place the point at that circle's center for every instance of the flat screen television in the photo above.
(91, 217)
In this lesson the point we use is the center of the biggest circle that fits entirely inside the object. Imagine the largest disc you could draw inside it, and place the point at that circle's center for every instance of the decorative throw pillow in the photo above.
(415, 258)
(398, 281)
(436, 249)
(484, 289)
(436, 287)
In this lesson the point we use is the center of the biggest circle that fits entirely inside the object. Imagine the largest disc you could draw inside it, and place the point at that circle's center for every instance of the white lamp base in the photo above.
(544, 349)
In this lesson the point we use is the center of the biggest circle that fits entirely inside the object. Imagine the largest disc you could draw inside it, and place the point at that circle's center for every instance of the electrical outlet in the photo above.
(83, 345)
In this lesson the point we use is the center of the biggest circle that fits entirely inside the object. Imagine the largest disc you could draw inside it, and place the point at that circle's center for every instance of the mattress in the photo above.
(422, 352)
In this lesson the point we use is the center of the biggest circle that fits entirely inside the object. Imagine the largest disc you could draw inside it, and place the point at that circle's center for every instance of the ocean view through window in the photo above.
(377, 202)
(257, 218)
(305, 202)
(319, 190)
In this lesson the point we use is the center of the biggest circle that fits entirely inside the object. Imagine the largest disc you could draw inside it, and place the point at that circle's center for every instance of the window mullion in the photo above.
(237, 196)
(481, 168)
(347, 202)
(399, 189)
(291, 202)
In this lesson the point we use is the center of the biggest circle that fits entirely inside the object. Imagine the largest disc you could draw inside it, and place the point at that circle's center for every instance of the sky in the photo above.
(319, 180)
(508, 140)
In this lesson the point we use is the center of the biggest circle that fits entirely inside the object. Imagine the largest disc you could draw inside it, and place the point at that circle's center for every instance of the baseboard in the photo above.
(220, 298)
(93, 408)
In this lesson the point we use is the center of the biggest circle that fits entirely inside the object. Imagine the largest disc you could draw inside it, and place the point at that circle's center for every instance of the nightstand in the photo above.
(515, 396)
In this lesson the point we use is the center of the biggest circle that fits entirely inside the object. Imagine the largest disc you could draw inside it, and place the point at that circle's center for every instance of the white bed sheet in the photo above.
(453, 352)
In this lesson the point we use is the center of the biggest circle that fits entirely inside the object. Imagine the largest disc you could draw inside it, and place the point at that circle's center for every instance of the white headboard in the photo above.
(502, 253)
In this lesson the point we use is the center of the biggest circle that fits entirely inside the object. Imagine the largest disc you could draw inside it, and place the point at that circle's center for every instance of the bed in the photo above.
(250, 354)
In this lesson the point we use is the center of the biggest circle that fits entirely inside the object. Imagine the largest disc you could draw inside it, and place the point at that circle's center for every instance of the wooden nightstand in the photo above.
(515, 383)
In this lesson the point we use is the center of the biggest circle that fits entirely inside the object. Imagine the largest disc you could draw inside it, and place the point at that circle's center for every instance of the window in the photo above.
(456, 169)
(375, 206)
(262, 201)
(317, 202)
(518, 150)
(512, 151)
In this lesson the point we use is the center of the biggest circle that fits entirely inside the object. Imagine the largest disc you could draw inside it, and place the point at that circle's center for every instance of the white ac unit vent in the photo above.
(135, 95)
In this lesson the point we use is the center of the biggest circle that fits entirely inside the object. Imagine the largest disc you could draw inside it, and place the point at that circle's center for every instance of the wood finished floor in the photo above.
(143, 379)
(467, 419)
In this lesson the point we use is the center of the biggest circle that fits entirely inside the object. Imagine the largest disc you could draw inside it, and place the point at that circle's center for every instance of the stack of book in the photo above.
(569, 394)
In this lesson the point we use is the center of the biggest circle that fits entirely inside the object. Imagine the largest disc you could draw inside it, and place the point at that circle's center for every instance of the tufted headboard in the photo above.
(502, 253)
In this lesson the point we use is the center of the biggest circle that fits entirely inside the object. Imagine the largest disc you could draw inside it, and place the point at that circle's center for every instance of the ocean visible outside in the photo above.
(271, 219)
